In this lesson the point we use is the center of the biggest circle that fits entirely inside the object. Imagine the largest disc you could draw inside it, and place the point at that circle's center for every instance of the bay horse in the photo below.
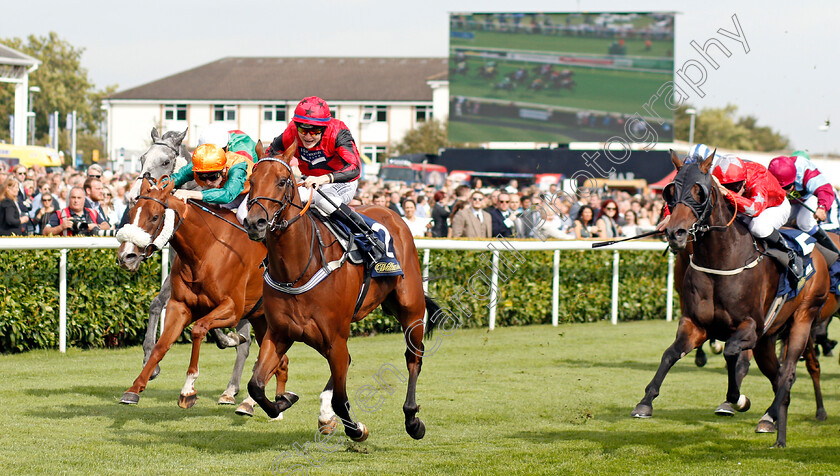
(216, 278)
(727, 292)
(166, 155)
(321, 316)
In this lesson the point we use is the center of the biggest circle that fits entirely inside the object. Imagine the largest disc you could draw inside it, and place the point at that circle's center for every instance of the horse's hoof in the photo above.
(130, 398)
(700, 359)
(725, 409)
(155, 372)
(765, 426)
(416, 429)
(278, 417)
(226, 399)
(326, 427)
(285, 401)
(364, 430)
(743, 404)
(642, 411)
(187, 401)
(245, 409)
(821, 414)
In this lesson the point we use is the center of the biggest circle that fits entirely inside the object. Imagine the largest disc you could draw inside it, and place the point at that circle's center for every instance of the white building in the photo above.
(380, 99)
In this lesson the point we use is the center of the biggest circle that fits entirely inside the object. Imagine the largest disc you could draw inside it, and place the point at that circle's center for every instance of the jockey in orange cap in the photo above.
(758, 198)
(329, 159)
(813, 202)
(221, 165)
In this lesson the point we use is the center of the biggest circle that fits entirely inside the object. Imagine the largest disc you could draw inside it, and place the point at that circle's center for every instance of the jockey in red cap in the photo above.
(811, 195)
(329, 160)
(758, 198)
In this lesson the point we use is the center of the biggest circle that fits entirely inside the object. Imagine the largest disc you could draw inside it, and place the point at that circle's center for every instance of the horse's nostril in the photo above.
(262, 223)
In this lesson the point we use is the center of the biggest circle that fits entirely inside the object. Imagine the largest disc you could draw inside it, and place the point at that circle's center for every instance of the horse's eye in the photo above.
(155, 218)
(165, 163)
(668, 194)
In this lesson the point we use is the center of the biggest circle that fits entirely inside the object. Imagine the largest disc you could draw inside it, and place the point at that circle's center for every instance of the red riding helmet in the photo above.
(730, 169)
(313, 111)
(784, 169)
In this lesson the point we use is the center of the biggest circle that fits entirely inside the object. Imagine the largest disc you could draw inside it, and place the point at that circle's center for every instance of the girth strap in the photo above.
(319, 276)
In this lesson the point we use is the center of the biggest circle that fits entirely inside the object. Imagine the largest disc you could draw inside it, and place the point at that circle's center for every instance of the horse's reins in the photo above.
(283, 225)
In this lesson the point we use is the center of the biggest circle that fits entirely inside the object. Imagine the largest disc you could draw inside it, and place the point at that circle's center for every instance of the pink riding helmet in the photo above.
(784, 169)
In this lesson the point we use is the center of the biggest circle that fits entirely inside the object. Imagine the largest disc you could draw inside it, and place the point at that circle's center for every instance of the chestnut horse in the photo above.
(727, 292)
(216, 277)
(321, 316)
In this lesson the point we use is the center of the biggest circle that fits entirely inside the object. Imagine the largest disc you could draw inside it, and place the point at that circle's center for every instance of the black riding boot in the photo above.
(776, 241)
(822, 238)
(355, 221)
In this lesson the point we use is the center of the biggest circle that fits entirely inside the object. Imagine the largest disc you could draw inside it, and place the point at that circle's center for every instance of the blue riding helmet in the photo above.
(699, 152)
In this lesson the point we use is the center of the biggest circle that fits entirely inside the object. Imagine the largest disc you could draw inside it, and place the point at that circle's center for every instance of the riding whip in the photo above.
(612, 242)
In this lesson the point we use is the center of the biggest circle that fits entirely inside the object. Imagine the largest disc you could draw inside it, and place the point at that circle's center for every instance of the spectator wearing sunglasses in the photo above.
(46, 207)
(500, 214)
(472, 221)
(329, 159)
(221, 165)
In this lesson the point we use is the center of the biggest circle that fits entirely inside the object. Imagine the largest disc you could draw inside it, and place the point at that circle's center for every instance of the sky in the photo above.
(788, 79)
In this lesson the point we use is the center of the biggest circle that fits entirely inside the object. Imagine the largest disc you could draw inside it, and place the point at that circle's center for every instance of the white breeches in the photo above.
(805, 220)
(770, 219)
(338, 192)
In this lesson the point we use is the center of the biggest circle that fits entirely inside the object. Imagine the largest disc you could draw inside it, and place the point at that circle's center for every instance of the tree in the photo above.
(719, 127)
(428, 138)
(65, 87)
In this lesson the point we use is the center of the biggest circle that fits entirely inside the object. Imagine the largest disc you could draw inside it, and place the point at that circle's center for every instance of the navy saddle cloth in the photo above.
(388, 265)
(802, 244)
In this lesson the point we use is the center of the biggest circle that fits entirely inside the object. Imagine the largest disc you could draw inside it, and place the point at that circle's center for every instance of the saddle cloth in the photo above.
(834, 274)
(802, 244)
(388, 265)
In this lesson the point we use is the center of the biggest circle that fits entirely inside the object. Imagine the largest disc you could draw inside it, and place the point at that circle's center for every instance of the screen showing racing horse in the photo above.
(557, 77)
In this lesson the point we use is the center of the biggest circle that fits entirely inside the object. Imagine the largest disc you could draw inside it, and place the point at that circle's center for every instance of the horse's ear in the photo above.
(706, 165)
(155, 134)
(678, 163)
(166, 183)
(179, 137)
(260, 150)
(290, 151)
(145, 185)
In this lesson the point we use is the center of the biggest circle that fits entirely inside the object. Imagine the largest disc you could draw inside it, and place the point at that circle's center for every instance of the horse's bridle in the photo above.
(285, 201)
(700, 210)
(155, 241)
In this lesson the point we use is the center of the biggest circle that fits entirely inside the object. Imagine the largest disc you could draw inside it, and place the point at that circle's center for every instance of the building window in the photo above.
(175, 112)
(224, 112)
(375, 114)
(274, 113)
(423, 113)
(376, 153)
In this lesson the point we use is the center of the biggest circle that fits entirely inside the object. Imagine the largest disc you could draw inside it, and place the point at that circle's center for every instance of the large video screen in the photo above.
(557, 77)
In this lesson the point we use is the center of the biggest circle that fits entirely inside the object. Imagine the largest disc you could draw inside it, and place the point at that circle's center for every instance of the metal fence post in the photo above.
(555, 290)
(62, 302)
(669, 305)
(426, 254)
(494, 289)
(615, 288)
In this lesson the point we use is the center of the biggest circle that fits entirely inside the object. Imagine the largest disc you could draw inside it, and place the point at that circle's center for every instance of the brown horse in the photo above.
(216, 277)
(812, 363)
(321, 316)
(727, 292)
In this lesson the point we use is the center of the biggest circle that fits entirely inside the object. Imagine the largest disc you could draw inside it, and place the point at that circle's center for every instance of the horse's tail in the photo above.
(434, 317)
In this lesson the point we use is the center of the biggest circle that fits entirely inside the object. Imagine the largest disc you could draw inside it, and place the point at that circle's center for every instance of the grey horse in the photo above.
(166, 155)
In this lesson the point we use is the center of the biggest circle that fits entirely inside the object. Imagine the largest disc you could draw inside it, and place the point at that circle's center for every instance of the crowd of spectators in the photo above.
(92, 202)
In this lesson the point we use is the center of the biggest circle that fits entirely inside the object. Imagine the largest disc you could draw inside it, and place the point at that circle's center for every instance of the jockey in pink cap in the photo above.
(329, 160)
(812, 197)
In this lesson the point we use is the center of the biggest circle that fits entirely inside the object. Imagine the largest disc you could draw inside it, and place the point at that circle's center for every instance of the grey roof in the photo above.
(272, 79)
(15, 57)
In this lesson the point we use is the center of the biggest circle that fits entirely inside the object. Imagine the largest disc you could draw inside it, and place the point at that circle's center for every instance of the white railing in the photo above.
(64, 244)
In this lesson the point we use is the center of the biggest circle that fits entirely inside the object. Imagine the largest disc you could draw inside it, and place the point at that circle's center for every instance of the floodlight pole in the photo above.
(691, 112)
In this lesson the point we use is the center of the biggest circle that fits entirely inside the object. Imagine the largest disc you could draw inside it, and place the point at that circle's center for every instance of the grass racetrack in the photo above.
(523, 400)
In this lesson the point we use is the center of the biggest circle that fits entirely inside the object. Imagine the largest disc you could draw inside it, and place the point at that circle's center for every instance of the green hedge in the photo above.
(107, 306)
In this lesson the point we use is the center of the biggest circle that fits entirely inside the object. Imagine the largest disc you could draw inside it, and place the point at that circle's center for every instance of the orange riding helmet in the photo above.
(209, 158)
